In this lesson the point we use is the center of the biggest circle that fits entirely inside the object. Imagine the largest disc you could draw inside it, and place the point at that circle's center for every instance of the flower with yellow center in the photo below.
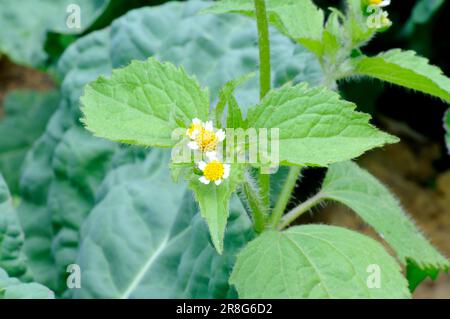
(213, 170)
(203, 136)
(379, 3)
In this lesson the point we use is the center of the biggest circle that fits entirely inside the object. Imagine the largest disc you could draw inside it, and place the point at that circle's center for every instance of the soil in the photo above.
(14, 77)
(407, 168)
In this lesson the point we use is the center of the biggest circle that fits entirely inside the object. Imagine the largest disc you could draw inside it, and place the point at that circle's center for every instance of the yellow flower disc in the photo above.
(213, 171)
(206, 140)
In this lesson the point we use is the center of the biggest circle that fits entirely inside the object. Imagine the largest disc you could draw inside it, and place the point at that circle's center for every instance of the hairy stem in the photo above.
(255, 204)
(264, 79)
(299, 210)
(285, 195)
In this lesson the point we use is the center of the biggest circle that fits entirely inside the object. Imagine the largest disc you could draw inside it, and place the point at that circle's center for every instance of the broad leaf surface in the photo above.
(315, 261)
(142, 103)
(316, 127)
(12, 288)
(57, 193)
(23, 37)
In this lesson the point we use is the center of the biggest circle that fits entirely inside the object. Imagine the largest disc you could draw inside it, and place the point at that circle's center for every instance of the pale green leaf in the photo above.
(12, 288)
(140, 103)
(316, 261)
(214, 203)
(316, 127)
(359, 190)
(300, 20)
(407, 69)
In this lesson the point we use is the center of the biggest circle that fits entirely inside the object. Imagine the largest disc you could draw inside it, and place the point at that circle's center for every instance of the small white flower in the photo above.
(194, 129)
(213, 171)
(203, 136)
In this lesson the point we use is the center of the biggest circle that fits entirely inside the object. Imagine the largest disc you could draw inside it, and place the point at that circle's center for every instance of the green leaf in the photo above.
(316, 127)
(214, 203)
(356, 188)
(234, 116)
(12, 259)
(140, 103)
(26, 115)
(226, 94)
(12, 288)
(447, 129)
(316, 261)
(299, 20)
(144, 239)
(407, 69)
(356, 22)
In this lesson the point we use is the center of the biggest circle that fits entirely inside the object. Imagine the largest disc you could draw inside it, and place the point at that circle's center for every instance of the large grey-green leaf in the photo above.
(207, 46)
(26, 115)
(22, 37)
(300, 20)
(12, 259)
(407, 69)
(356, 188)
(86, 59)
(12, 288)
(143, 239)
(316, 127)
(316, 261)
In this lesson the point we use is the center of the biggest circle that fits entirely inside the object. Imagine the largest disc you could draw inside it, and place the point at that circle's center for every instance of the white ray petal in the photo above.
(193, 145)
(196, 121)
(204, 180)
(209, 126)
(201, 165)
(218, 182)
(220, 135)
(226, 171)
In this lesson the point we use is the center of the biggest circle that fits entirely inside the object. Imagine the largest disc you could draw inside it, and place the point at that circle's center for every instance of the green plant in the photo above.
(116, 211)
(145, 102)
